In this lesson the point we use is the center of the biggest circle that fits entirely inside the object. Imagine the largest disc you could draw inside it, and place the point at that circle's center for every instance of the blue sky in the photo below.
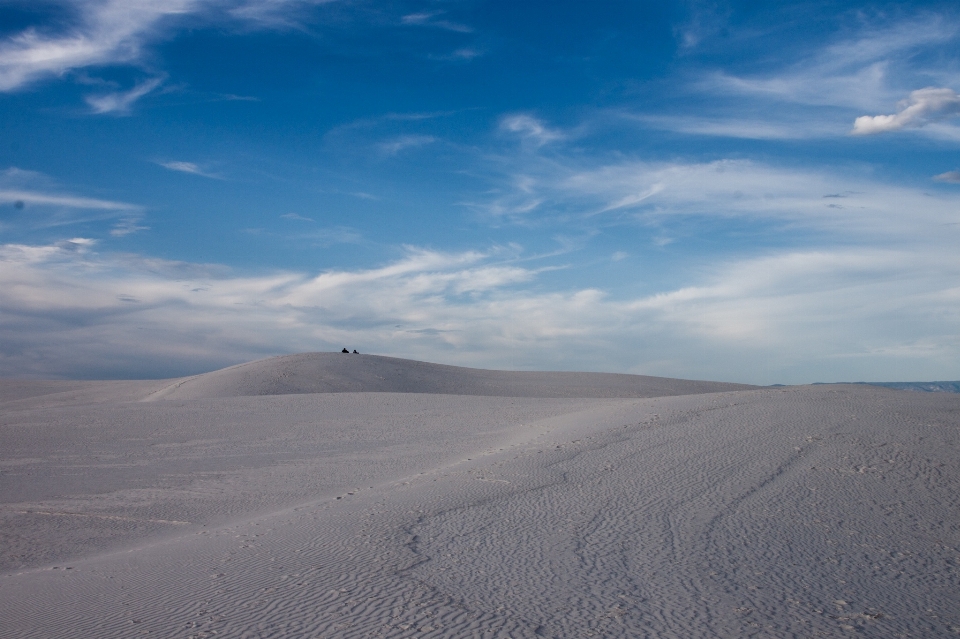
(721, 190)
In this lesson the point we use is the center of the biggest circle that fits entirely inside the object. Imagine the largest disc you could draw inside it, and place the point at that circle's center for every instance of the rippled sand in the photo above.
(265, 501)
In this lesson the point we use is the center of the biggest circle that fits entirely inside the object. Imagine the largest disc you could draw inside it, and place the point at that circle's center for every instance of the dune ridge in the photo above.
(305, 373)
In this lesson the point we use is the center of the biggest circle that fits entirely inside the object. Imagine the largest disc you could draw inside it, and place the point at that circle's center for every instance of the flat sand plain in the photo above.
(326, 495)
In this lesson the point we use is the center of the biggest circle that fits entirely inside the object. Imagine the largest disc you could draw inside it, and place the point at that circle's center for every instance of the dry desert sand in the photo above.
(330, 495)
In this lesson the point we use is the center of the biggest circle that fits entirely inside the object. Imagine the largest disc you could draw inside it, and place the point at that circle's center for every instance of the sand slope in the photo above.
(830, 511)
(340, 373)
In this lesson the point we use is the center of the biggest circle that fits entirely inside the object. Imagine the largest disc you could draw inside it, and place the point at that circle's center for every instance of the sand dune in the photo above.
(239, 504)
(340, 373)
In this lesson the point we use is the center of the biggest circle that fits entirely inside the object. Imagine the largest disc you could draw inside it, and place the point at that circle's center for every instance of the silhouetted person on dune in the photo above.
(344, 351)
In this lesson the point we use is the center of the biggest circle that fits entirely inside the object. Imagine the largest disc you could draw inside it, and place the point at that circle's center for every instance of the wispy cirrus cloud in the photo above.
(530, 129)
(271, 14)
(387, 118)
(738, 127)
(70, 310)
(842, 203)
(434, 19)
(296, 216)
(116, 32)
(862, 68)
(128, 225)
(321, 237)
(858, 72)
(398, 144)
(121, 102)
(10, 196)
(42, 204)
(465, 53)
(105, 32)
(33, 188)
(188, 167)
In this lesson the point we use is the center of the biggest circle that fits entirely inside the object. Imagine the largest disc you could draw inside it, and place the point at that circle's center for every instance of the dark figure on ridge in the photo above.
(355, 352)
(344, 351)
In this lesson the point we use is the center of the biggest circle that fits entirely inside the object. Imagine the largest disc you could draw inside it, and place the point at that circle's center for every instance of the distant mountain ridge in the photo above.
(923, 387)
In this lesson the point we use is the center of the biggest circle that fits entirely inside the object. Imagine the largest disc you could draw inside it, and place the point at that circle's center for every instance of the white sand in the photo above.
(796, 512)
(339, 373)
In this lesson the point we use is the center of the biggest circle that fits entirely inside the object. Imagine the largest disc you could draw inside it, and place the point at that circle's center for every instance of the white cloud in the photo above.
(817, 86)
(859, 313)
(405, 142)
(31, 187)
(949, 176)
(530, 128)
(737, 126)
(183, 167)
(465, 53)
(633, 199)
(942, 131)
(327, 236)
(766, 302)
(862, 209)
(10, 196)
(46, 205)
(121, 102)
(922, 107)
(819, 90)
(232, 97)
(705, 20)
(270, 13)
(855, 72)
(107, 32)
(128, 226)
(296, 216)
(430, 19)
(330, 236)
(188, 167)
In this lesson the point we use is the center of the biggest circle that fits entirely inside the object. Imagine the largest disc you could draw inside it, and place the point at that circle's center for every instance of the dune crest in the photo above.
(306, 373)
